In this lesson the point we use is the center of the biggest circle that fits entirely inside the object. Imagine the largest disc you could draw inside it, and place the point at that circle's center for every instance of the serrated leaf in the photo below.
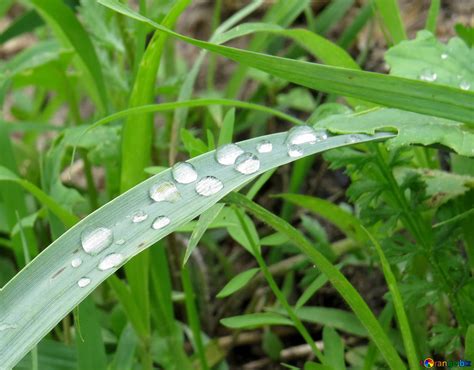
(412, 128)
(237, 283)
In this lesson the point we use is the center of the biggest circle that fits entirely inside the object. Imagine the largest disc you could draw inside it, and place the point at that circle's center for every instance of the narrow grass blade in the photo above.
(339, 281)
(390, 12)
(350, 33)
(413, 358)
(124, 355)
(333, 348)
(40, 295)
(69, 30)
(255, 320)
(331, 15)
(416, 96)
(237, 283)
(469, 353)
(433, 13)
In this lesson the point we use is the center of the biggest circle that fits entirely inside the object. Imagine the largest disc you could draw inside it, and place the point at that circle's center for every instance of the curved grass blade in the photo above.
(65, 24)
(391, 91)
(390, 12)
(37, 298)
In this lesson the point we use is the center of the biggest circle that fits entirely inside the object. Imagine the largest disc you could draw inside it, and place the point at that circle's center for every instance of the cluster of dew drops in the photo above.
(94, 241)
(429, 75)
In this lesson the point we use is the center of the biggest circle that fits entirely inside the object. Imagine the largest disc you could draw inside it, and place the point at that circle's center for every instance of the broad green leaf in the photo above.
(33, 302)
(70, 31)
(412, 128)
(237, 283)
(255, 320)
(333, 348)
(427, 58)
(416, 96)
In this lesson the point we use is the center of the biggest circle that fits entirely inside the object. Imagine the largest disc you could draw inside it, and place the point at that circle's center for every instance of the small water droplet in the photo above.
(301, 135)
(321, 135)
(228, 153)
(76, 262)
(264, 146)
(7, 326)
(208, 186)
(96, 240)
(247, 163)
(164, 192)
(160, 222)
(444, 56)
(110, 261)
(428, 75)
(464, 85)
(120, 242)
(351, 139)
(184, 173)
(83, 282)
(139, 216)
(295, 151)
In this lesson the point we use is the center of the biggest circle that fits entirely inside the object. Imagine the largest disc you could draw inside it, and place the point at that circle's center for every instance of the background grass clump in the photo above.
(348, 247)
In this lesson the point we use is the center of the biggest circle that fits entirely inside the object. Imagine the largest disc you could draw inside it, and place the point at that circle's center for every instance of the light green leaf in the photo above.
(333, 348)
(255, 320)
(237, 283)
(412, 128)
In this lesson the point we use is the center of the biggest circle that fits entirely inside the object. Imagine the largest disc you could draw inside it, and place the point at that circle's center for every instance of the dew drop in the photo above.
(83, 282)
(464, 85)
(96, 240)
(208, 186)
(164, 192)
(76, 262)
(301, 135)
(444, 56)
(247, 163)
(264, 146)
(139, 216)
(321, 135)
(352, 139)
(295, 151)
(7, 326)
(428, 75)
(228, 153)
(184, 173)
(110, 261)
(160, 222)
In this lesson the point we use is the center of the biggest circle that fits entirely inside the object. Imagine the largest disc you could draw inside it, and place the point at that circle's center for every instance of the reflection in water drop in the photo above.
(301, 135)
(96, 240)
(160, 222)
(83, 282)
(264, 146)
(247, 163)
(164, 192)
(228, 153)
(428, 75)
(464, 85)
(76, 262)
(184, 173)
(139, 216)
(295, 151)
(208, 186)
(110, 261)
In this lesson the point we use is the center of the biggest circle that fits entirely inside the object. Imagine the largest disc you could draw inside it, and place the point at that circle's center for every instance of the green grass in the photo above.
(354, 246)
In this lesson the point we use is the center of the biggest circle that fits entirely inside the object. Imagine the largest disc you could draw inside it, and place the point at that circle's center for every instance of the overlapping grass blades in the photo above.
(38, 297)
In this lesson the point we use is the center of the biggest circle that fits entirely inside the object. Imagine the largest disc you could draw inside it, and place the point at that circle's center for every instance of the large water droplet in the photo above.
(428, 75)
(76, 262)
(301, 135)
(228, 153)
(184, 173)
(444, 56)
(139, 216)
(96, 240)
(160, 222)
(110, 261)
(464, 85)
(83, 282)
(295, 151)
(247, 163)
(264, 146)
(208, 186)
(164, 192)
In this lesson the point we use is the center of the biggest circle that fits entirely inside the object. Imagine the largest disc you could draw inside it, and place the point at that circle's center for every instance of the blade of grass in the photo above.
(413, 358)
(407, 94)
(331, 15)
(339, 281)
(350, 33)
(433, 13)
(36, 299)
(124, 355)
(68, 29)
(390, 12)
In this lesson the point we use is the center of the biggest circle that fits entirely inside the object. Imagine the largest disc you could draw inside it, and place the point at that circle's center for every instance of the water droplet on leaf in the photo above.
(464, 85)
(110, 261)
(164, 192)
(76, 262)
(444, 56)
(228, 153)
(264, 146)
(96, 240)
(295, 151)
(208, 186)
(139, 216)
(301, 135)
(184, 173)
(247, 163)
(83, 282)
(352, 139)
(428, 75)
(160, 222)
